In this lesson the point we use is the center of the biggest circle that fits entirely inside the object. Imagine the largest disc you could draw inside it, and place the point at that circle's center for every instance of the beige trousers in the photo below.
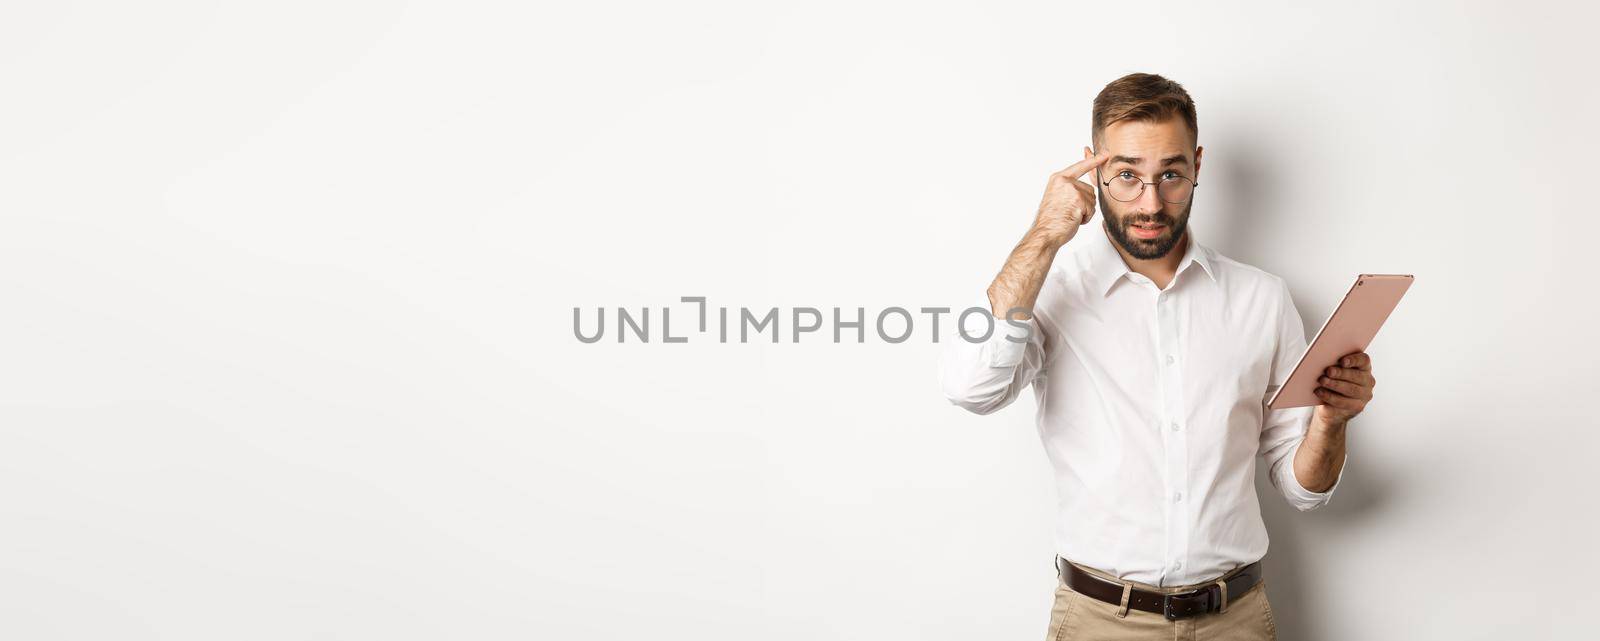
(1076, 617)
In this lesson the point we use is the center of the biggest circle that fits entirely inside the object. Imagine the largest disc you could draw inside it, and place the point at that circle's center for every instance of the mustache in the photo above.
(1158, 219)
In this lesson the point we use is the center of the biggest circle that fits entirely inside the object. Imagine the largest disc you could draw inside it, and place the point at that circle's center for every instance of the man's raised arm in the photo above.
(986, 376)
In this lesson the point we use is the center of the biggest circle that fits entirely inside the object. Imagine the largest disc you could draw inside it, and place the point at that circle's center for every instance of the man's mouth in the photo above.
(1147, 230)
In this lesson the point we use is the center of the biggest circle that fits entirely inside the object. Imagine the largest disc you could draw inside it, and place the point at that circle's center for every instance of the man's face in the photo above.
(1147, 227)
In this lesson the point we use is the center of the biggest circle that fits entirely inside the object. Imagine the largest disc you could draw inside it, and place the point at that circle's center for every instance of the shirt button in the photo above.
(1174, 426)
(1177, 496)
(1169, 359)
(1177, 565)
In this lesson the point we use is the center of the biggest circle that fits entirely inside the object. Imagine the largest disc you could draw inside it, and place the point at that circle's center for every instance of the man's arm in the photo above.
(1016, 288)
(985, 377)
(1298, 454)
(1320, 459)
(1067, 205)
(1346, 390)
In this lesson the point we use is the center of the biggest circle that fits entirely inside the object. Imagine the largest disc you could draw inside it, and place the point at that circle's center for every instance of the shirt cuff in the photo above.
(1298, 493)
(1008, 344)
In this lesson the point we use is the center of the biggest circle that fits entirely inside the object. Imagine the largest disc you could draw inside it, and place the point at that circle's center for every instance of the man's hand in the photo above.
(1068, 202)
(1345, 390)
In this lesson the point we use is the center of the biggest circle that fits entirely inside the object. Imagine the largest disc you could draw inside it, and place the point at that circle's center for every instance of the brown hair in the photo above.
(1142, 96)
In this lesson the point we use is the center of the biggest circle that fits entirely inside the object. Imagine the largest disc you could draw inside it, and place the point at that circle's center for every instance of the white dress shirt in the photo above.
(1150, 406)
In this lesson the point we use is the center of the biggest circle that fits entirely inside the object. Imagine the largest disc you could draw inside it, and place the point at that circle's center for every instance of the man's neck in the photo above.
(1159, 270)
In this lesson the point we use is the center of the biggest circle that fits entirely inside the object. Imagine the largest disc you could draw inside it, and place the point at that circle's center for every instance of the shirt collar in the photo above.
(1107, 267)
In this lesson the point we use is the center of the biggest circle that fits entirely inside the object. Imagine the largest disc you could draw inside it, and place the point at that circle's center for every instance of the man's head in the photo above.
(1147, 125)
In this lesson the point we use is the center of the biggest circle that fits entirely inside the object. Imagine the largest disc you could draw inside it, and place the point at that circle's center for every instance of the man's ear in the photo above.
(1197, 152)
(1088, 153)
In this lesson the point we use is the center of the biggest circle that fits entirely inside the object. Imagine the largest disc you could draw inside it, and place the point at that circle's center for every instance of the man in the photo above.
(1151, 357)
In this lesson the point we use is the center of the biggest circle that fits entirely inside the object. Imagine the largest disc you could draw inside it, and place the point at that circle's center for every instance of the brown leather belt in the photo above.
(1175, 606)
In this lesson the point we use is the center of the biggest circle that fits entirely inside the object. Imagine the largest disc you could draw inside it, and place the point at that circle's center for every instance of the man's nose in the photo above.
(1148, 202)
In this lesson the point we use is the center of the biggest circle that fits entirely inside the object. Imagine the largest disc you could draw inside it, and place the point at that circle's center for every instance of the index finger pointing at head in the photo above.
(1078, 169)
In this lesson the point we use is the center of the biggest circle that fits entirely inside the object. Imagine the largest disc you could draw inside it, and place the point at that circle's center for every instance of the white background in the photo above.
(286, 299)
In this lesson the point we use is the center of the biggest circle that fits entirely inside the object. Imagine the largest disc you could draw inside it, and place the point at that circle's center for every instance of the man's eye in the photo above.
(1170, 175)
(1125, 175)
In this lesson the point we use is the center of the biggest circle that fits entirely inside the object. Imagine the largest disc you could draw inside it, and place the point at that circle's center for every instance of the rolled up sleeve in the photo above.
(1280, 440)
(987, 375)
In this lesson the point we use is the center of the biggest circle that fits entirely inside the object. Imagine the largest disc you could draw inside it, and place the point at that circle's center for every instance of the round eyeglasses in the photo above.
(1172, 188)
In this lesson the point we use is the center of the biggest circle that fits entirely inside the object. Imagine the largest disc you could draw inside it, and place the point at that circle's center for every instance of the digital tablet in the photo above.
(1349, 329)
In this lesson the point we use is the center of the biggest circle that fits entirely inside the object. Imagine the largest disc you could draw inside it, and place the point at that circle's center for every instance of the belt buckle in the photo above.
(1167, 599)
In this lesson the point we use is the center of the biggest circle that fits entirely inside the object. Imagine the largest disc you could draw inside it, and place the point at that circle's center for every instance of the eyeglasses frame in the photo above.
(1107, 184)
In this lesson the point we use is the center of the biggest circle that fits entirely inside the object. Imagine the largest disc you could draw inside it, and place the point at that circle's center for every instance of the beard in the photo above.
(1142, 248)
